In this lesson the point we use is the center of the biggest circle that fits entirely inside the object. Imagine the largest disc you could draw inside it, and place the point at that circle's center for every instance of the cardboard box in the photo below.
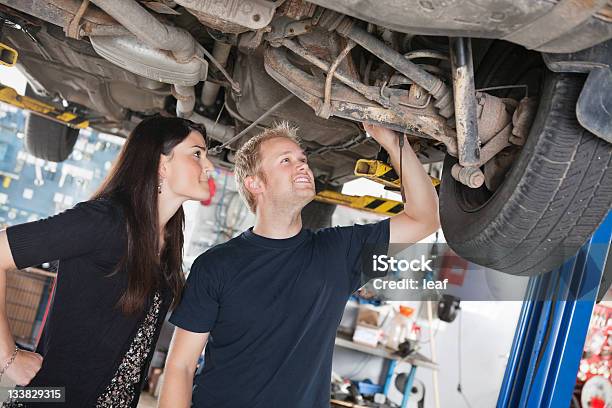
(366, 335)
(368, 330)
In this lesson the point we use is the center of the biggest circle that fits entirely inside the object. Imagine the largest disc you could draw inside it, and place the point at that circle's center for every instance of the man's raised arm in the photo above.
(421, 212)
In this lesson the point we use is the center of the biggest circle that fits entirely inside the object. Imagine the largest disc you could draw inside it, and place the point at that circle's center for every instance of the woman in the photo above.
(120, 257)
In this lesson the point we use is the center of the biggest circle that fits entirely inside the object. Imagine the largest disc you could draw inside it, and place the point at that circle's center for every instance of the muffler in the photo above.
(135, 56)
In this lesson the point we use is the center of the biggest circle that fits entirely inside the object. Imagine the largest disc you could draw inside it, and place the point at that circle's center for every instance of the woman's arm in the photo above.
(26, 364)
(181, 364)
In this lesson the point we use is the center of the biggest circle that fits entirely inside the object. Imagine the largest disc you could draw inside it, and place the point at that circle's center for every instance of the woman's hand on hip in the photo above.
(25, 367)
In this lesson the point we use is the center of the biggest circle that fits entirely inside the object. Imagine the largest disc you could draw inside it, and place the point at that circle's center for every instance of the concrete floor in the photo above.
(147, 401)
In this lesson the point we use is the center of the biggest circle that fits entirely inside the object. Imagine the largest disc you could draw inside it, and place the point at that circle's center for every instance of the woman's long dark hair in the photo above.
(133, 184)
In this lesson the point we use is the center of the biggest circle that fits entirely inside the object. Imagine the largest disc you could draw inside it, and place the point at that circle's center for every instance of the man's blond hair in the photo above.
(248, 157)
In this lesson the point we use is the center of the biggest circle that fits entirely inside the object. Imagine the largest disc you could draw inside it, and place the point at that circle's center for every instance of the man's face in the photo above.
(289, 182)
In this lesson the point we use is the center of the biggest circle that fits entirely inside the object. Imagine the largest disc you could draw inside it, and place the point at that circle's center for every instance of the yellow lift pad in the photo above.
(10, 96)
(8, 55)
(381, 172)
(377, 205)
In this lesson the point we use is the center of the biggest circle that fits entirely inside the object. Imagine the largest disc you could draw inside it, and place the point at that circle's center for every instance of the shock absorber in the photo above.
(466, 124)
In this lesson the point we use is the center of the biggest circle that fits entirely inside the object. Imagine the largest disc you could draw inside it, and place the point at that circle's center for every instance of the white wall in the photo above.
(487, 332)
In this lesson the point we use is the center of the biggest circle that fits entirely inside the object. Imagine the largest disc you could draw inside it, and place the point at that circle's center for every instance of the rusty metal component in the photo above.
(398, 78)
(495, 145)
(315, 132)
(347, 103)
(214, 130)
(332, 20)
(284, 27)
(500, 150)
(426, 54)
(296, 9)
(370, 92)
(161, 7)
(218, 149)
(185, 100)
(325, 110)
(249, 41)
(89, 30)
(235, 85)
(149, 29)
(220, 54)
(561, 26)
(232, 16)
(466, 123)
(133, 55)
(522, 119)
(61, 12)
(144, 55)
(493, 115)
(418, 97)
(470, 176)
(434, 85)
(327, 46)
(73, 29)
(406, 120)
(605, 13)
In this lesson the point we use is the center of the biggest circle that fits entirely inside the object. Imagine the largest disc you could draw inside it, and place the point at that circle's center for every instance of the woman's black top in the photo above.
(100, 355)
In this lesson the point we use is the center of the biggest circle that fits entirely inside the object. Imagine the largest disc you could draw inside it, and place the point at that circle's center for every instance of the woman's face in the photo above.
(185, 170)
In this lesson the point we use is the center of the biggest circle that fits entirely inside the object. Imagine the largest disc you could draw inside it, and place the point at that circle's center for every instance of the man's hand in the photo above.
(25, 367)
(420, 216)
(384, 136)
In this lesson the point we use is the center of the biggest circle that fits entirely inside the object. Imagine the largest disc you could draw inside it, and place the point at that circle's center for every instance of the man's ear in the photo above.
(253, 184)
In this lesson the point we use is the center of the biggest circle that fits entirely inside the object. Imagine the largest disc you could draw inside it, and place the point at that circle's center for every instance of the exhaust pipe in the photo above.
(221, 52)
(147, 28)
(217, 131)
(144, 56)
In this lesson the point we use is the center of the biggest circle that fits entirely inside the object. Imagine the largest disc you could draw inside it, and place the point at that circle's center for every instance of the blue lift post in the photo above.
(552, 328)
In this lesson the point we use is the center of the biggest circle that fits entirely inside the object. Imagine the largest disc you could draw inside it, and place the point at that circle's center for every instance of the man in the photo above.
(269, 301)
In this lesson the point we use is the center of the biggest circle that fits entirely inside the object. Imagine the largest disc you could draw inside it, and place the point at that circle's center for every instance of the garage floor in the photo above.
(147, 401)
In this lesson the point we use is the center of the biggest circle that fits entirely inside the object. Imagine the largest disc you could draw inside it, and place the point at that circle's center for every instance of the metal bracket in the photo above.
(284, 27)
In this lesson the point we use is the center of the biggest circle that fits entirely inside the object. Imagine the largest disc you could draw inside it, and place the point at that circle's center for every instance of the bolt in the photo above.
(469, 176)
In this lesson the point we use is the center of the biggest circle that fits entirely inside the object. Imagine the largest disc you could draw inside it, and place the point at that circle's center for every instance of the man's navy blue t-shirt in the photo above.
(272, 307)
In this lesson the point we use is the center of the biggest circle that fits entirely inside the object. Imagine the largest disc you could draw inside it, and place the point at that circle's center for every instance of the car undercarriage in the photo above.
(477, 86)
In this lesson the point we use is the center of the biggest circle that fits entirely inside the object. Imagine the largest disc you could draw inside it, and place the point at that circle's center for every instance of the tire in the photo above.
(553, 198)
(49, 140)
